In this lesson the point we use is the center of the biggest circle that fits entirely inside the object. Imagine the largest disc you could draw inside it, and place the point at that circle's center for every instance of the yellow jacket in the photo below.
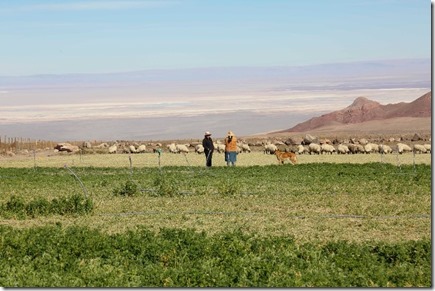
(231, 146)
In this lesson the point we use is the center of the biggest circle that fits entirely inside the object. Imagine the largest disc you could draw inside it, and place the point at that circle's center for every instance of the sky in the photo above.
(105, 36)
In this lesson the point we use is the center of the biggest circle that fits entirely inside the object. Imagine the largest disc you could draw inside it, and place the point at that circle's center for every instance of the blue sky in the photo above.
(102, 36)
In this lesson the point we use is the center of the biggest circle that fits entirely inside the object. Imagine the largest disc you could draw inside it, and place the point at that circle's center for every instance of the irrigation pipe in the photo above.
(78, 179)
(327, 216)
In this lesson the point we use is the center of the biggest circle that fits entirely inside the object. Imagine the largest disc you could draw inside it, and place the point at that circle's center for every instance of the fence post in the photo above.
(413, 159)
(131, 165)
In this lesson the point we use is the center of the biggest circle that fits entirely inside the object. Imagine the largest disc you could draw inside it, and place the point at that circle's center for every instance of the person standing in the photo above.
(230, 149)
(208, 145)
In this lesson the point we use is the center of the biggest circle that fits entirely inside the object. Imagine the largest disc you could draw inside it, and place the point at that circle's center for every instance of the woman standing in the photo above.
(231, 149)
(207, 143)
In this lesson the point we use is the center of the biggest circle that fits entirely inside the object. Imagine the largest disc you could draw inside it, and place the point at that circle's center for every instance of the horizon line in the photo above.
(213, 68)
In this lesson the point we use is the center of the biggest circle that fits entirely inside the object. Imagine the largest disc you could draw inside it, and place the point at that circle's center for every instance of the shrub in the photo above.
(74, 204)
(15, 206)
(37, 207)
(127, 189)
(166, 186)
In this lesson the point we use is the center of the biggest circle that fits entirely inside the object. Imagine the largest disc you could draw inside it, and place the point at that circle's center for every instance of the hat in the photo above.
(207, 133)
(230, 133)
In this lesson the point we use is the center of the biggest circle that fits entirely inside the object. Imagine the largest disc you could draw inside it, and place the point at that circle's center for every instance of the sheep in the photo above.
(363, 141)
(342, 149)
(66, 147)
(182, 148)
(132, 149)
(427, 147)
(199, 149)
(301, 149)
(113, 149)
(172, 148)
(270, 148)
(141, 149)
(87, 145)
(419, 148)
(385, 149)
(219, 147)
(356, 148)
(245, 148)
(102, 146)
(371, 148)
(314, 148)
(403, 148)
(375, 148)
(327, 148)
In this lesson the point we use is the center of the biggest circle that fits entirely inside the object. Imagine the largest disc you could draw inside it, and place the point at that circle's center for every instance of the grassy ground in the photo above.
(330, 221)
(311, 201)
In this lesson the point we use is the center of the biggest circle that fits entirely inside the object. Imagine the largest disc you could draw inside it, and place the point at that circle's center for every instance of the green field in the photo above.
(320, 223)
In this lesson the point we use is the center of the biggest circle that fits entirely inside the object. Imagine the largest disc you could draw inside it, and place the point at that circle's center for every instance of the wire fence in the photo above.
(49, 158)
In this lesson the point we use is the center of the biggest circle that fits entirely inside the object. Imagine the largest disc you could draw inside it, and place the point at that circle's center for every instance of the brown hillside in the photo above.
(364, 110)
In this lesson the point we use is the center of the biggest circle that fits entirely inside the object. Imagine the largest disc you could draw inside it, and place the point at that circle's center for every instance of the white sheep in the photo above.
(356, 148)
(327, 148)
(385, 149)
(132, 149)
(199, 149)
(419, 148)
(270, 148)
(172, 148)
(245, 148)
(371, 148)
(301, 149)
(182, 148)
(102, 146)
(314, 148)
(403, 148)
(427, 146)
(363, 141)
(342, 149)
(219, 147)
(113, 149)
(141, 149)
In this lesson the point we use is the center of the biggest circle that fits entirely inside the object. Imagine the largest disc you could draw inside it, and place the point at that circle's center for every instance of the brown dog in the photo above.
(282, 156)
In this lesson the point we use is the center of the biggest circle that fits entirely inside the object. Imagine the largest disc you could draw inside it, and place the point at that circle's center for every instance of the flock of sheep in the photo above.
(172, 147)
(314, 148)
(306, 146)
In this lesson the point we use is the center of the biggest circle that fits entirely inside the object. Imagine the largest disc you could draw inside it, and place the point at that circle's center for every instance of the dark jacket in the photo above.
(207, 143)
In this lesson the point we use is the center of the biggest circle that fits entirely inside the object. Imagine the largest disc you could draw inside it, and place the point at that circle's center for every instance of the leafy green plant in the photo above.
(15, 205)
(166, 186)
(54, 256)
(39, 206)
(74, 204)
(229, 188)
(129, 188)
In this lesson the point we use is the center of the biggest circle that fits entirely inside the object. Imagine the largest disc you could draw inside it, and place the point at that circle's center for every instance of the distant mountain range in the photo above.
(364, 110)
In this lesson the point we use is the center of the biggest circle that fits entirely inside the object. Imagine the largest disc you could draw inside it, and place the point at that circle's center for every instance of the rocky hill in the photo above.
(364, 110)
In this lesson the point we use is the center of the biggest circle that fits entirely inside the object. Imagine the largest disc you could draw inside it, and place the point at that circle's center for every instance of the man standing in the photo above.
(207, 143)
(230, 149)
